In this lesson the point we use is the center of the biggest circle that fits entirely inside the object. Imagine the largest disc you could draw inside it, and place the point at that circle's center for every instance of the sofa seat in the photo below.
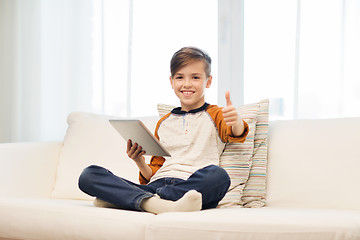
(23, 218)
(79, 219)
(262, 223)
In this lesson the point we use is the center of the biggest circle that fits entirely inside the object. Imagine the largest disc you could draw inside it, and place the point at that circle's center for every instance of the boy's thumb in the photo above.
(228, 101)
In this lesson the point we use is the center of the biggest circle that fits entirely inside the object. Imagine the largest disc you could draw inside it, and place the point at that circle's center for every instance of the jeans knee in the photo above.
(218, 175)
(87, 177)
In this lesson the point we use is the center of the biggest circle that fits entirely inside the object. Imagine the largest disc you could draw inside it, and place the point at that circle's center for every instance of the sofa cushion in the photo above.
(236, 158)
(90, 139)
(314, 163)
(257, 224)
(68, 219)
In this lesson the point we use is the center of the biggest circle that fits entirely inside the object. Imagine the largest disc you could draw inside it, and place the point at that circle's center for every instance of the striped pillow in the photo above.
(254, 193)
(164, 109)
(236, 158)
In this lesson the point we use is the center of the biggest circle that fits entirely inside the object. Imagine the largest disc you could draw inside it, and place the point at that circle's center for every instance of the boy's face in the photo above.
(189, 85)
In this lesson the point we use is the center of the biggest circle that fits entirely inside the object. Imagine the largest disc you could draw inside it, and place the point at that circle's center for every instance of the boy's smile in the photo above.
(187, 93)
(189, 85)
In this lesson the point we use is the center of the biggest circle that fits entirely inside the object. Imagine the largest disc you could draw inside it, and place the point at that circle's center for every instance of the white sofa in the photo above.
(313, 190)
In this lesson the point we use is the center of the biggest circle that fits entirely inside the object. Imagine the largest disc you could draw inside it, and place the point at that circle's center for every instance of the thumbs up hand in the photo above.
(228, 100)
(229, 112)
(231, 117)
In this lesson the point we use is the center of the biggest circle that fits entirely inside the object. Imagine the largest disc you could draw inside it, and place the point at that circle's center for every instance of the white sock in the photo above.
(101, 203)
(191, 201)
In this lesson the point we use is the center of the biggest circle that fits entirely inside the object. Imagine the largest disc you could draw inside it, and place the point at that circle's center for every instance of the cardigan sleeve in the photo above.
(155, 164)
(224, 130)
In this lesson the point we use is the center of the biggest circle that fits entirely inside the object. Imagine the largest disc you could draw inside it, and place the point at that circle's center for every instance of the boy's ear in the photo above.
(209, 81)
(171, 82)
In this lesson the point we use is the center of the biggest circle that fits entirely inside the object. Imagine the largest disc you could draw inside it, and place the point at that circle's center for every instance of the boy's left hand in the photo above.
(229, 112)
(231, 116)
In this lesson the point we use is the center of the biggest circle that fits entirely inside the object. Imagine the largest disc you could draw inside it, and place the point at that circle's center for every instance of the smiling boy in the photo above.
(195, 134)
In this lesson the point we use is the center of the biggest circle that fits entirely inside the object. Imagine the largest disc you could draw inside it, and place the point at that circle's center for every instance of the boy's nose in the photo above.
(187, 82)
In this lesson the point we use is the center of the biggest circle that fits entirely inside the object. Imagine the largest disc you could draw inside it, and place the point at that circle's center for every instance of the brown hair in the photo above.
(187, 55)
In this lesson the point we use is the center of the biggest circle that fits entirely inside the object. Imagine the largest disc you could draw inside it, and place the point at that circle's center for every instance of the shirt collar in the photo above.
(178, 110)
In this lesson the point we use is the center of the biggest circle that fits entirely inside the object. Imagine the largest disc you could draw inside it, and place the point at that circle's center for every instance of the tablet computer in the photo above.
(140, 134)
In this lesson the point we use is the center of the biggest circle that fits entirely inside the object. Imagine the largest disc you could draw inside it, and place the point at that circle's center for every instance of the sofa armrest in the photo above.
(28, 169)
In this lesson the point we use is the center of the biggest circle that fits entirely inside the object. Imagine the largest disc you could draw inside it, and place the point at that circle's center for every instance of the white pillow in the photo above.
(90, 139)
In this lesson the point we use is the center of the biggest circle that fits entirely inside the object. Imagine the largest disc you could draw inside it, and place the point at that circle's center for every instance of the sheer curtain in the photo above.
(67, 63)
(49, 53)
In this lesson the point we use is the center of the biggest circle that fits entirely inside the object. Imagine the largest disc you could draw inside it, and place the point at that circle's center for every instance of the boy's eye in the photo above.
(196, 77)
(178, 77)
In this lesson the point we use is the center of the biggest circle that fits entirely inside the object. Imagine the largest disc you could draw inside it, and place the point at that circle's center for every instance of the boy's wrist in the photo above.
(144, 169)
(238, 129)
(139, 160)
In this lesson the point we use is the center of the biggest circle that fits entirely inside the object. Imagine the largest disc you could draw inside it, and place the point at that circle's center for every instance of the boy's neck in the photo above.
(189, 107)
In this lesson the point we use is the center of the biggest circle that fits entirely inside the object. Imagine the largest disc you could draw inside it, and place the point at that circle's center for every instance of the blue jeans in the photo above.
(211, 181)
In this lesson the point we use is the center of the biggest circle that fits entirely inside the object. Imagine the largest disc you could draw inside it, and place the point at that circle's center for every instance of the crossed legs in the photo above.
(202, 190)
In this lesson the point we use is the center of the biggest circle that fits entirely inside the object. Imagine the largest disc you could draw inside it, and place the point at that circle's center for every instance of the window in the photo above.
(303, 55)
(139, 38)
(269, 54)
(112, 57)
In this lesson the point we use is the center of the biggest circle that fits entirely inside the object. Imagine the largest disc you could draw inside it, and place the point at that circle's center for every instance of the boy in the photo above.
(195, 134)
